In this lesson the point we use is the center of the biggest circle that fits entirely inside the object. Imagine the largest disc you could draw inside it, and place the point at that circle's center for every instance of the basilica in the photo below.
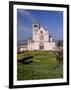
(40, 40)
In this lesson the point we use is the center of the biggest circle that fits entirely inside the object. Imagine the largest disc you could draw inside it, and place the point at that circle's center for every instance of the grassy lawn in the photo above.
(43, 66)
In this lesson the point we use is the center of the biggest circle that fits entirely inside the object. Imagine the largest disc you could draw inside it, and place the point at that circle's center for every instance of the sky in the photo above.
(51, 20)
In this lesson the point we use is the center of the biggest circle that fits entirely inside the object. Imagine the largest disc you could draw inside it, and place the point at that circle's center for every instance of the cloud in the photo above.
(28, 14)
(23, 28)
(23, 32)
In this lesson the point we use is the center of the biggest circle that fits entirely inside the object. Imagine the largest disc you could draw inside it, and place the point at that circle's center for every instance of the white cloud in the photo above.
(23, 28)
(28, 14)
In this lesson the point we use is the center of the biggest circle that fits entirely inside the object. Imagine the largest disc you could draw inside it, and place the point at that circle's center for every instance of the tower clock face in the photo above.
(41, 37)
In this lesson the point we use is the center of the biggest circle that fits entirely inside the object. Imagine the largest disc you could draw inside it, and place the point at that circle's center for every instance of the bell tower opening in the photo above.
(36, 26)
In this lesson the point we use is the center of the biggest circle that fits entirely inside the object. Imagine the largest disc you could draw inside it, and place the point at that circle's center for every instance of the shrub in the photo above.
(59, 56)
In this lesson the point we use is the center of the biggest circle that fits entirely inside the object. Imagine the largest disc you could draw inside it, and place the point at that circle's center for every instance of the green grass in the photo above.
(44, 66)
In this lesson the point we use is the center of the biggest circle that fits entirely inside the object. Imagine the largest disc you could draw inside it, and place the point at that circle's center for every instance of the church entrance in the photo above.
(41, 47)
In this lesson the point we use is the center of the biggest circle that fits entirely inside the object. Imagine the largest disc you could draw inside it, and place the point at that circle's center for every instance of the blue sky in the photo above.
(51, 20)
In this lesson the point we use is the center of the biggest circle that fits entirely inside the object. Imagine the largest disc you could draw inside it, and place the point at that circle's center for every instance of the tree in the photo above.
(60, 43)
(59, 56)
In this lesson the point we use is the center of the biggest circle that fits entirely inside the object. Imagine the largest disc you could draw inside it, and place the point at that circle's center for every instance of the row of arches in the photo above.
(41, 46)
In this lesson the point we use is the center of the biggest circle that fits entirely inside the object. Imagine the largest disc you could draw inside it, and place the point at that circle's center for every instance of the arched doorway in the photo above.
(41, 46)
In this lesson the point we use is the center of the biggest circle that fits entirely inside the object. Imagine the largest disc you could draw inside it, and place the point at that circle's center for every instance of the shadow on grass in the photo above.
(26, 60)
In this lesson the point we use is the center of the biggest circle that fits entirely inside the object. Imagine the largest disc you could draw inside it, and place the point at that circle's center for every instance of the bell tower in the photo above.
(35, 28)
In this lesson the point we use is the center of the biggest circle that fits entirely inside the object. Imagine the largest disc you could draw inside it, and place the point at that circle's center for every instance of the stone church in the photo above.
(40, 40)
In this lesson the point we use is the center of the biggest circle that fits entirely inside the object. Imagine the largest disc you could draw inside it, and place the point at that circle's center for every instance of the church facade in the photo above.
(40, 40)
